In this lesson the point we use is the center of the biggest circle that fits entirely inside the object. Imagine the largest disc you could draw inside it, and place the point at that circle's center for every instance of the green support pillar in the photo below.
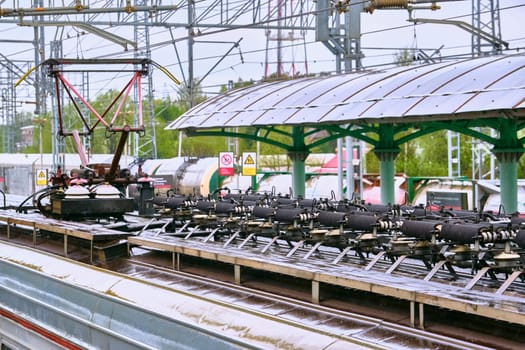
(386, 151)
(298, 155)
(508, 177)
(508, 150)
(387, 172)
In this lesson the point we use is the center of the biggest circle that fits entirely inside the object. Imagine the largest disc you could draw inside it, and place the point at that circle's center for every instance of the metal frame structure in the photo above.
(486, 19)
(142, 16)
(55, 68)
(7, 107)
(384, 109)
(336, 23)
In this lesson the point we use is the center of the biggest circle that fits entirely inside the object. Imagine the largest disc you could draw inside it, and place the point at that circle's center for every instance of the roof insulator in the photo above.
(386, 4)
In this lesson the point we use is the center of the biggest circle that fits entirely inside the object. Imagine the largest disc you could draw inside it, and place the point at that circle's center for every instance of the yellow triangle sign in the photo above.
(249, 160)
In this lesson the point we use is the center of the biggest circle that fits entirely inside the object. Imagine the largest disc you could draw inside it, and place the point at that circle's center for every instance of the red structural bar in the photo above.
(39, 330)
(124, 93)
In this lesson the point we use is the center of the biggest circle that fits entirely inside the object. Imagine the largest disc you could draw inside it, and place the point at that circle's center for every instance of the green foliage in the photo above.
(167, 140)
(43, 122)
(203, 146)
(404, 57)
(427, 155)
(190, 95)
(371, 163)
(239, 84)
(521, 168)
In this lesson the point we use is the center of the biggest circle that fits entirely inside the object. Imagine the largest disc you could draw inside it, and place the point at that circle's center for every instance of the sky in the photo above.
(384, 33)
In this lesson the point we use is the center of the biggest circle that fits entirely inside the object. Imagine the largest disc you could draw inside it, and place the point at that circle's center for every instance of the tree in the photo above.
(404, 57)
(42, 121)
(190, 95)
(239, 84)
(167, 140)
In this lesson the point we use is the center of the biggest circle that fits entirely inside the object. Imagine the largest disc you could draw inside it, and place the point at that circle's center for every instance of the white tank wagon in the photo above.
(183, 175)
(316, 186)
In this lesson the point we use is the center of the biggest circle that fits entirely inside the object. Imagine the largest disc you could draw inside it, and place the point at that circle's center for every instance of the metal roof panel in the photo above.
(439, 90)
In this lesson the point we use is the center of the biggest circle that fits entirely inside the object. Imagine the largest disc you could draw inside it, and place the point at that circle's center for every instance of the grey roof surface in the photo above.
(474, 88)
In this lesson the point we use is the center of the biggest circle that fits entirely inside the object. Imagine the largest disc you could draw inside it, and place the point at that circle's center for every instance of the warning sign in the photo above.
(226, 164)
(41, 178)
(249, 160)
(249, 163)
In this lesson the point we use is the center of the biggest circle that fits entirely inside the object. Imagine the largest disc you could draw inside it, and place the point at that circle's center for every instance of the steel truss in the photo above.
(132, 24)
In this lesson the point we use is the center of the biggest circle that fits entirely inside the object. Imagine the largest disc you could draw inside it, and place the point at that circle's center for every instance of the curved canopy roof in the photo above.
(475, 88)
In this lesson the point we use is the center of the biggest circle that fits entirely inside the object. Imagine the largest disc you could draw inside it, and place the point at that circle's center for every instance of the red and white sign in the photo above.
(226, 164)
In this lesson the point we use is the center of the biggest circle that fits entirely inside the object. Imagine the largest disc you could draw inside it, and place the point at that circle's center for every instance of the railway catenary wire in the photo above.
(157, 44)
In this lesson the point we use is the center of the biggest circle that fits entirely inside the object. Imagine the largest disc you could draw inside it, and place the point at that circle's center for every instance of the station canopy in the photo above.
(485, 87)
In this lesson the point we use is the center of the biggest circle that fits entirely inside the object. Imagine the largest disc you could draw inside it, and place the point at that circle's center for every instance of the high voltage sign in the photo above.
(249, 160)
(41, 178)
(249, 163)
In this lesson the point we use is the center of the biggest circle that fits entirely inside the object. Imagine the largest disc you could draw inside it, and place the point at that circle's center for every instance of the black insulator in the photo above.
(365, 213)
(330, 218)
(409, 208)
(520, 238)
(307, 203)
(463, 214)
(224, 207)
(517, 220)
(378, 208)
(432, 216)
(341, 207)
(284, 201)
(501, 226)
(420, 229)
(205, 206)
(348, 207)
(263, 212)
(176, 202)
(418, 212)
(361, 222)
(232, 196)
(288, 214)
(249, 203)
(160, 200)
(254, 197)
(462, 233)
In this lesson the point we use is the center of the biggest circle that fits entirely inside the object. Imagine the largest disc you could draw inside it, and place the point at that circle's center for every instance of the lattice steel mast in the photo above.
(486, 18)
